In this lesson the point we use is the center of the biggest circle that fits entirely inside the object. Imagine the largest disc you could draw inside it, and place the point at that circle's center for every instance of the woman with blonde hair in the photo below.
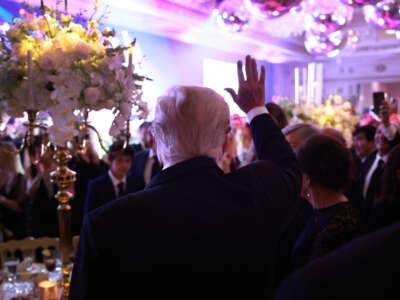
(12, 192)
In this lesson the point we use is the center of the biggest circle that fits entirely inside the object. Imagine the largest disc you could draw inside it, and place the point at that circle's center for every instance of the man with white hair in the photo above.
(195, 232)
(296, 134)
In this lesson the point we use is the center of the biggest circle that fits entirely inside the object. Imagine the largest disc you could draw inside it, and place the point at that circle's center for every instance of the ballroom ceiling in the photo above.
(277, 40)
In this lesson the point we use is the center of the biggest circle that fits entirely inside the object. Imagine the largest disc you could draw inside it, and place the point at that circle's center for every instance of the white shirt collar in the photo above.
(384, 158)
(369, 154)
(115, 181)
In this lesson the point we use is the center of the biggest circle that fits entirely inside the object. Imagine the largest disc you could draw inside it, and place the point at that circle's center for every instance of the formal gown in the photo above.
(326, 230)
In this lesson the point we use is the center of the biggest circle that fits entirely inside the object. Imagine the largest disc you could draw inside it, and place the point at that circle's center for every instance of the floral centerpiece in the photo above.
(334, 112)
(50, 62)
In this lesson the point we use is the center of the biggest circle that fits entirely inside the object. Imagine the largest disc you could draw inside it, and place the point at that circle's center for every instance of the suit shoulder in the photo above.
(259, 166)
(142, 154)
(99, 180)
(123, 205)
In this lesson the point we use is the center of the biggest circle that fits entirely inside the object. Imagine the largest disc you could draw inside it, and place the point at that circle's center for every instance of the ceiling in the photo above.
(279, 40)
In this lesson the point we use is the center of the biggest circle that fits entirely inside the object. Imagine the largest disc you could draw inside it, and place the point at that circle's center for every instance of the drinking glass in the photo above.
(11, 265)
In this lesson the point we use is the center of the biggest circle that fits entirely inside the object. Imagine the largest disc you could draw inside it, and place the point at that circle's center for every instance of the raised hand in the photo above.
(384, 113)
(252, 90)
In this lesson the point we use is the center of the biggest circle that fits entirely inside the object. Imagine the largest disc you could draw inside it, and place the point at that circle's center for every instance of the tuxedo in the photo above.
(355, 194)
(138, 169)
(372, 186)
(101, 191)
(194, 232)
(367, 268)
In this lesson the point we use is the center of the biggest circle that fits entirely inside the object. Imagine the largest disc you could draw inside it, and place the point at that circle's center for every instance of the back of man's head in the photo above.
(296, 134)
(117, 148)
(190, 122)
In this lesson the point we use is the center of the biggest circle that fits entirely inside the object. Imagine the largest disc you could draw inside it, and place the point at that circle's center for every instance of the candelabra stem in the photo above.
(64, 178)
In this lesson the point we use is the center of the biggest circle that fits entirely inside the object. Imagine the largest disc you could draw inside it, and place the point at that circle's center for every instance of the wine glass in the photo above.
(11, 265)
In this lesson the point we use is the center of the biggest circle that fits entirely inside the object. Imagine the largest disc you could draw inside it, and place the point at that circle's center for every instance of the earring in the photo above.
(308, 195)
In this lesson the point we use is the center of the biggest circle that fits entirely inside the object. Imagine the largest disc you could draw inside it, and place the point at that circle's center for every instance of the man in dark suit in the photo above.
(365, 150)
(146, 164)
(367, 268)
(386, 138)
(115, 183)
(195, 232)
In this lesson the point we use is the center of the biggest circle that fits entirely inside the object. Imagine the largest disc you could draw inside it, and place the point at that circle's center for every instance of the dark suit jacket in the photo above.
(373, 192)
(137, 169)
(355, 194)
(194, 232)
(366, 268)
(101, 191)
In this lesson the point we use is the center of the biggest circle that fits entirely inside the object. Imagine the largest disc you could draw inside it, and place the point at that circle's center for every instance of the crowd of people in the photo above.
(299, 212)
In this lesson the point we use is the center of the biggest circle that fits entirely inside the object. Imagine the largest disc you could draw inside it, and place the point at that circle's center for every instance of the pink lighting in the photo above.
(274, 8)
(384, 15)
(233, 15)
(326, 45)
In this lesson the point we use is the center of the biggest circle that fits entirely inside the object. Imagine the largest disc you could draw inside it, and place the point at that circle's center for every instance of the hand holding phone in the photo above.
(394, 105)
(384, 114)
(378, 98)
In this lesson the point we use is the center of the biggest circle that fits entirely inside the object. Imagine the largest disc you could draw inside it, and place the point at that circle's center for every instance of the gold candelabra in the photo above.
(64, 178)
(85, 127)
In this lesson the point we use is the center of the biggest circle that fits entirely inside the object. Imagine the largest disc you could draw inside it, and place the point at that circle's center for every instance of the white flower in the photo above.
(82, 50)
(59, 135)
(91, 96)
(47, 62)
(109, 104)
(96, 79)
(126, 109)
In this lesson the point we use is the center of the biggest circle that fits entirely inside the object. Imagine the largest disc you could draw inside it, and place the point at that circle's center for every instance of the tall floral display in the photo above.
(66, 66)
(50, 63)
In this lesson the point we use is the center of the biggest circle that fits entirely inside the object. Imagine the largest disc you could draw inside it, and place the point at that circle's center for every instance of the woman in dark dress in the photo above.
(12, 193)
(387, 205)
(43, 204)
(327, 171)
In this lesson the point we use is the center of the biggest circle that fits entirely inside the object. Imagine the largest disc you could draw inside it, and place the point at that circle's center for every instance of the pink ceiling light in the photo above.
(233, 15)
(274, 8)
(384, 15)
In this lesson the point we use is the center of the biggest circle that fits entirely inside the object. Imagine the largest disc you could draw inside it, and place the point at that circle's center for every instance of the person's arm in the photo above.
(16, 204)
(90, 198)
(270, 144)
(388, 129)
(34, 185)
(10, 204)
